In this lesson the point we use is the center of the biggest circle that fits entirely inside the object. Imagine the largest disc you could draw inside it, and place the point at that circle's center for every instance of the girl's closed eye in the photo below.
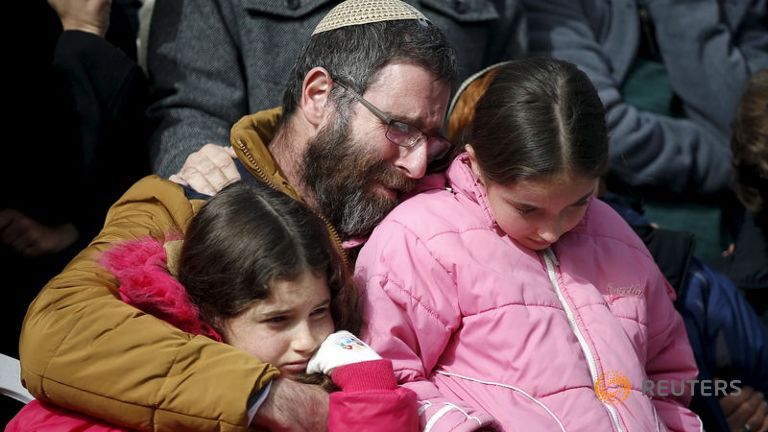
(582, 203)
(321, 312)
(529, 210)
(276, 320)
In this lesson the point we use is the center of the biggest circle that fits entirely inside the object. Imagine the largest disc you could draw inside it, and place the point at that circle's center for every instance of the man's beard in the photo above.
(341, 172)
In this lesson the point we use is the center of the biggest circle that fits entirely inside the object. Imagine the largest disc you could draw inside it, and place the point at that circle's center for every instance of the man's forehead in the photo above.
(404, 72)
(410, 93)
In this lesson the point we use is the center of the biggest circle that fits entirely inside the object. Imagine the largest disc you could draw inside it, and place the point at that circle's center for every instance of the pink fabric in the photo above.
(476, 327)
(145, 283)
(353, 243)
(370, 400)
(39, 417)
(368, 375)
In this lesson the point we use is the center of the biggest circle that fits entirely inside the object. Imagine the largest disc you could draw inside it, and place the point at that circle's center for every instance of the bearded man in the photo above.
(361, 121)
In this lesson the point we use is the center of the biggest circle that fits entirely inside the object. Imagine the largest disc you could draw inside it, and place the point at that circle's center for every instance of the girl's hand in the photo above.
(340, 349)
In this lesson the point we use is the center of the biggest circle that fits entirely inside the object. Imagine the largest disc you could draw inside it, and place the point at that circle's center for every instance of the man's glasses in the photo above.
(403, 134)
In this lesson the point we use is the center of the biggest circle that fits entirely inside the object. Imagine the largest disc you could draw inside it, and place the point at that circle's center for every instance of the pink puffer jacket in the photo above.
(482, 329)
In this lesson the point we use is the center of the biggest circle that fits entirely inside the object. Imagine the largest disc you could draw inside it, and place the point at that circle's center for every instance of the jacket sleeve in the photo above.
(193, 59)
(371, 400)
(710, 49)
(646, 149)
(669, 357)
(83, 349)
(410, 321)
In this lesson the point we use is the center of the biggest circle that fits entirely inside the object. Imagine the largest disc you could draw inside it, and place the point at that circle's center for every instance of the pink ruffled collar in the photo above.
(141, 267)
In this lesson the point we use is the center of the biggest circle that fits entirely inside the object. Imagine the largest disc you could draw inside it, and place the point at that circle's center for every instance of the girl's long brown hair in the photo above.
(247, 237)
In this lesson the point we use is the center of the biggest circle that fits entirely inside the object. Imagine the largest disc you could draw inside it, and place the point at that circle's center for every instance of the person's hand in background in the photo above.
(32, 238)
(746, 411)
(90, 16)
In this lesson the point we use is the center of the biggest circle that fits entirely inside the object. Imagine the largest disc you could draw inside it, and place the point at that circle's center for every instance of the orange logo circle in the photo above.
(612, 386)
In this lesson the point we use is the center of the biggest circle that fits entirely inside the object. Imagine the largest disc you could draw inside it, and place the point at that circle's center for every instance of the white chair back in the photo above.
(10, 380)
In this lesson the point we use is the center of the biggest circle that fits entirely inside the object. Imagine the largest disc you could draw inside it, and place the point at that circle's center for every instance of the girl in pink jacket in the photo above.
(257, 270)
(508, 297)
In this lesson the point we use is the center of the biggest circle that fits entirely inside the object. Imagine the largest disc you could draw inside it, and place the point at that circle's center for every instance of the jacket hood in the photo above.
(141, 267)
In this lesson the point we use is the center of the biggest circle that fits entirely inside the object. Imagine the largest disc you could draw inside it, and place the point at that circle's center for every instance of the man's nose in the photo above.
(413, 161)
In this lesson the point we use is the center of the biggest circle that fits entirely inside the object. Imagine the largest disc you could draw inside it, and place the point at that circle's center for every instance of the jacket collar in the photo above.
(250, 138)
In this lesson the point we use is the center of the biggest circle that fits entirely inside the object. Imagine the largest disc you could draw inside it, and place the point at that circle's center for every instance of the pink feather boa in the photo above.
(141, 268)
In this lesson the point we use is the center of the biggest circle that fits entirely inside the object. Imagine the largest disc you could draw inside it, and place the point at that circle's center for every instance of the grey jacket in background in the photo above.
(212, 61)
(709, 48)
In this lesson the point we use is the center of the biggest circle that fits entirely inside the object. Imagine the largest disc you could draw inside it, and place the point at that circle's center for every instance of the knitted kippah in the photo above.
(357, 12)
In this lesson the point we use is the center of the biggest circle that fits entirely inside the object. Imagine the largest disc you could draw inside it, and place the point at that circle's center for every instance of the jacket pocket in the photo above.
(284, 8)
(463, 11)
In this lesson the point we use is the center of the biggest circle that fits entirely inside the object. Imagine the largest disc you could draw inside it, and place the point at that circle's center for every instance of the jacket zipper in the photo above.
(551, 262)
(337, 241)
(252, 161)
(263, 177)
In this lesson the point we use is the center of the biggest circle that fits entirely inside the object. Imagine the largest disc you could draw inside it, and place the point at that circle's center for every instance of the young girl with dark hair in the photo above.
(508, 296)
(257, 270)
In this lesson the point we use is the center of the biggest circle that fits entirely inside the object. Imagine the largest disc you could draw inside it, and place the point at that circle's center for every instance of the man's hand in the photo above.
(29, 237)
(90, 16)
(746, 411)
(208, 170)
(291, 406)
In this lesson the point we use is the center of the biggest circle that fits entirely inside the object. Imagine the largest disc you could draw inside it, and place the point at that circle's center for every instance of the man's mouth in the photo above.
(390, 192)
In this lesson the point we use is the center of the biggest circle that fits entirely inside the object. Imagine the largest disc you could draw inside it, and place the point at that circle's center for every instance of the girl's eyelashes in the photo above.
(529, 210)
(582, 203)
(279, 319)
(321, 311)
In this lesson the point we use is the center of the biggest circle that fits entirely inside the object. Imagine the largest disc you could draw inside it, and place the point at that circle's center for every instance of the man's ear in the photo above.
(473, 163)
(315, 96)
